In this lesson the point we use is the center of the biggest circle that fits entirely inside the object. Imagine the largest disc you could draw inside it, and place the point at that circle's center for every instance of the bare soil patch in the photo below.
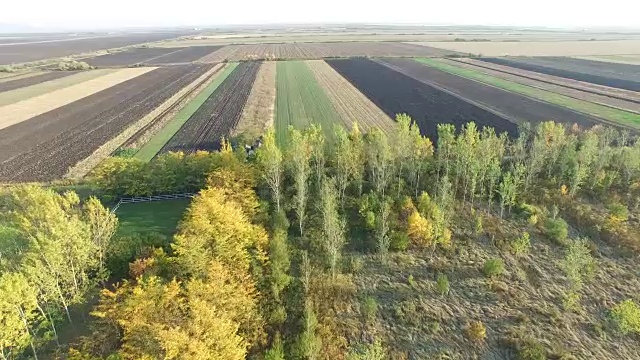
(26, 109)
(32, 80)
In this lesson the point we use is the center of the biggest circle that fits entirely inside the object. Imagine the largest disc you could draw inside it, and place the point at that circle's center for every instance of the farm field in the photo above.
(40, 50)
(396, 93)
(151, 56)
(23, 93)
(157, 216)
(258, 113)
(552, 106)
(556, 80)
(29, 108)
(166, 131)
(44, 147)
(300, 101)
(303, 51)
(351, 104)
(32, 80)
(540, 48)
(622, 59)
(218, 115)
(575, 72)
(548, 86)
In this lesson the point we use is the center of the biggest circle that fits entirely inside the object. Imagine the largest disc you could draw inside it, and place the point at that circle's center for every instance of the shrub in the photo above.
(578, 264)
(532, 350)
(557, 230)
(478, 226)
(7, 68)
(442, 284)
(412, 281)
(493, 267)
(521, 245)
(354, 264)
(476, 331)
(373, 351)
(399, 241)
(627, 316)
(618, 212)
(73, 65)
(369, 309)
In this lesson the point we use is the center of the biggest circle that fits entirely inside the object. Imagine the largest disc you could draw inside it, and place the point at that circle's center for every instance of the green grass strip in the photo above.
(155, 144)
(157, 216)
(300, 100)
(604, 112)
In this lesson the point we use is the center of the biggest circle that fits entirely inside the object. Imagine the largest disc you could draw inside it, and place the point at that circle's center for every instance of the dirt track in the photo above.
(44, 147)
(511, 105)
(219, 114)
(396, 93)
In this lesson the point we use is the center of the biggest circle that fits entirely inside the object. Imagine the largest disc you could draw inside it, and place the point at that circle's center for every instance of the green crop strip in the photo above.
(155, 144)
(604, 112)
(300, 101)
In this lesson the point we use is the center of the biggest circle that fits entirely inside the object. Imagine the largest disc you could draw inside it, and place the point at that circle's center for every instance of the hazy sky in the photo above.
(115, 13)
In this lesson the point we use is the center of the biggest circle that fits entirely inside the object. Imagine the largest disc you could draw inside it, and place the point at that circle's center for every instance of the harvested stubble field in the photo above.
(304, 51)
(351, 104)
(397, 93)
(27, 52)
(258, 113)
(621, 94)
(540, 48)
(547, 86)
(505, 97)
(34, 106)
(24, 93)
(32, 80)
(43, 148)
(219, 114)
(586, 73)
(300, 101)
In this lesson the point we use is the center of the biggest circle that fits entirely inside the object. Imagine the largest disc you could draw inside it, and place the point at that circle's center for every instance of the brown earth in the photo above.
(32, 80)
(258, 113)
(351, 104)
(32, 107)
(558, 89)
(43, 148)
(508, 105)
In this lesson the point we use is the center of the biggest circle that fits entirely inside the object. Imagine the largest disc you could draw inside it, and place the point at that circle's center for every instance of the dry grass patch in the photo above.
(350, 103)
(258, 112)
(541, 48)
(26, 109)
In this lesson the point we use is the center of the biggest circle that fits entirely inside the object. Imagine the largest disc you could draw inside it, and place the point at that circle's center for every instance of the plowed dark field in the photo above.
(587, 72)
(511, 105)
(43, 148)
(218, 115)
(53, 48)
(185, 55)
(131, 57)
(396, 93)
(32, 80)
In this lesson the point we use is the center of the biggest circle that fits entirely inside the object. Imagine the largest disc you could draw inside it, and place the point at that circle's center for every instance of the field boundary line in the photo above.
(82, 168)
(144, 199)
(174, 125)
(614, 123)
(551, 82)
(463, 98)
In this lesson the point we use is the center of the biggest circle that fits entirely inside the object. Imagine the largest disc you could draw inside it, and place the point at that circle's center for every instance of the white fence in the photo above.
(140, 199)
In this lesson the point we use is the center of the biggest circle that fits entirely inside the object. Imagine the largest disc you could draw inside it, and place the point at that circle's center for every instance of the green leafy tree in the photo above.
(269, 158)
(333, 226)
(298, 158)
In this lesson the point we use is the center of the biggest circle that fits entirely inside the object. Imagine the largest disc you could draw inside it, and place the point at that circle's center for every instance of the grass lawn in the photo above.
(300, 101)
(604, 112)
(150, 149)
(156, 216)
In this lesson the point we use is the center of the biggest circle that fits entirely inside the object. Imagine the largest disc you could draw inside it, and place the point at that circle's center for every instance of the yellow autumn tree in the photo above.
(420, 230)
